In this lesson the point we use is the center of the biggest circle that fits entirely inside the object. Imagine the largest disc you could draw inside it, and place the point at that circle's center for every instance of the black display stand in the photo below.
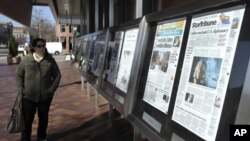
(157, 124)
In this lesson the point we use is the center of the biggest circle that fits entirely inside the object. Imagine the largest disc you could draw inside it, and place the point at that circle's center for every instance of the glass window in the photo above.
(62, 28)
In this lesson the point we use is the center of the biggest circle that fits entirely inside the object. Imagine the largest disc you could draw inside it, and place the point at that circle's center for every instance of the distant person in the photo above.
(38, 77)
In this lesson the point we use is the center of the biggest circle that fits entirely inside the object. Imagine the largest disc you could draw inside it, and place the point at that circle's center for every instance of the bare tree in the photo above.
(41, 27)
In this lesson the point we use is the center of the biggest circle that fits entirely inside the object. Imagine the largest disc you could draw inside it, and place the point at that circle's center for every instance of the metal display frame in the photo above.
(118, 99)
(82, 51)
(82, 54)
(236, 90)
(140, 126)
(85, 54)
(88, 78)
(94, 79)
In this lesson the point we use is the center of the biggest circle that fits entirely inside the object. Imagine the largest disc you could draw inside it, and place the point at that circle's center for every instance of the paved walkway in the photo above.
(73, 116)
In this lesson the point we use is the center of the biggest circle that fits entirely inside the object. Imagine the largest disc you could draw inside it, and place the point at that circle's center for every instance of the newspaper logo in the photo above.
(239, 132)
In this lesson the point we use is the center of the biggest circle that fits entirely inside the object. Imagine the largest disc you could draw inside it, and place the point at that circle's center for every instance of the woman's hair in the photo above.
(35, 41)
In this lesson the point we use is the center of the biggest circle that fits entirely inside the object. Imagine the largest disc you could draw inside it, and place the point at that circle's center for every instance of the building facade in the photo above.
(21, 34)
(64, 35)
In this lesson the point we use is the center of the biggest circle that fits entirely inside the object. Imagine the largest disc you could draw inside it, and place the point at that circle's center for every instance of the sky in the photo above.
(46, 13)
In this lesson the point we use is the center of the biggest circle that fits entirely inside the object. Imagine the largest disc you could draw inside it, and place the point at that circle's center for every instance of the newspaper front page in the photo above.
(206, 70)
(163, 64)
(127, 56)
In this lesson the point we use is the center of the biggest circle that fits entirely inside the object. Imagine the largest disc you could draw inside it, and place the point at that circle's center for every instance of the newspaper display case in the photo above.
(93, 65)
(208, 63)
(90, 54)
(121, 54)
(158, 72)
(82, 49)
(198, 100)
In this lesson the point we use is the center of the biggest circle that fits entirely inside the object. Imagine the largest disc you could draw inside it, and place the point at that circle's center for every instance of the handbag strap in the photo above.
(18, 101)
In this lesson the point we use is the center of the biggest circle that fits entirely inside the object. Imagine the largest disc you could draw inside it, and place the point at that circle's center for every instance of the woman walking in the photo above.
(38, 77)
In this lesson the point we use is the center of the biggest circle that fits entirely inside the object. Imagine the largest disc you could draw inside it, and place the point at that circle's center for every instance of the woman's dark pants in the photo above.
(29, 111)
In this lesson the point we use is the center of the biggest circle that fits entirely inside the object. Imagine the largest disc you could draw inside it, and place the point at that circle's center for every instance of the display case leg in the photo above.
(83, 83)
(111, 113)
(136, 136)
(99, 100)
(97, 103)
(88, 90)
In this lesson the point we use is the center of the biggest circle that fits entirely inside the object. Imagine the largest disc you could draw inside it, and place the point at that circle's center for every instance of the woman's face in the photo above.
(40, 48)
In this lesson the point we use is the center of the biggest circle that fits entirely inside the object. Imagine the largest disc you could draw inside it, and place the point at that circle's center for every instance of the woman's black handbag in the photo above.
(16, 123)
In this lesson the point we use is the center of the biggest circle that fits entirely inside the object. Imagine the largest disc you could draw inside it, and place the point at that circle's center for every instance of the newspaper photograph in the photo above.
(206, 70)
(127, 55)
(163, 64)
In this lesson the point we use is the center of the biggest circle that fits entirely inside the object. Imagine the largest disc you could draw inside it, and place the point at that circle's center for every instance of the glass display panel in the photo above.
(115, 56)
(126, 61)
(97, 54)
(84, 54)
(206, 70)
(163, 64)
